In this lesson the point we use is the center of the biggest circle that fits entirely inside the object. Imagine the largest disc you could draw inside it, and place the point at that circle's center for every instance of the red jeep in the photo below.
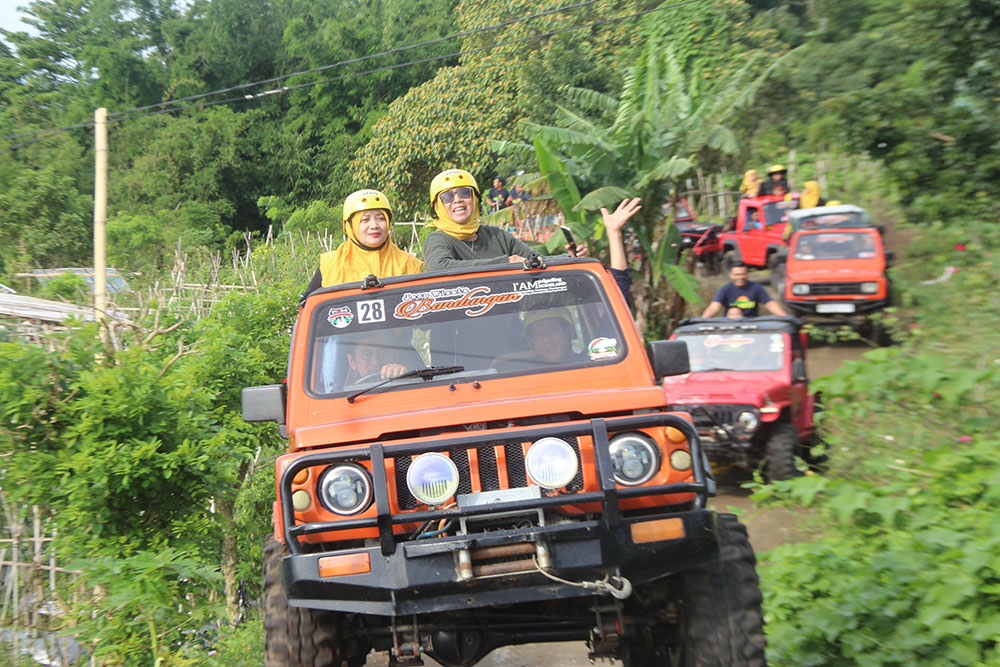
(747, 391)
(700, 237)
(522, 480)
(755, 235)
(835, 266)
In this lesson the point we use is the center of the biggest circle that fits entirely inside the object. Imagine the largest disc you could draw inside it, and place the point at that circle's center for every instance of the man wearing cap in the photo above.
(775, 176)
(549, 332)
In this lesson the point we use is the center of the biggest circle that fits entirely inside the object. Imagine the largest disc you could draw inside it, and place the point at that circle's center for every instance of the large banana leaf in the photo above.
(560, 182)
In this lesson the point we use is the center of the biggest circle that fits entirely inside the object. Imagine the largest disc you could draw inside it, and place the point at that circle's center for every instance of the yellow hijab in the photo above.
(751, 183)
(810, 194)
(353, 261)
(452, 228)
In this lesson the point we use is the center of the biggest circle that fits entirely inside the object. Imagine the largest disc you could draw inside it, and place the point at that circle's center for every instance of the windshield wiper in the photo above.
(424, 373)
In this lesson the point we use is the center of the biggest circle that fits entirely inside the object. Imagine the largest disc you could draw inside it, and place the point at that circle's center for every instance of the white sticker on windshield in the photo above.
(371, 311)
(602, 348)
(540, 286)
(777, 343)
(340, 317)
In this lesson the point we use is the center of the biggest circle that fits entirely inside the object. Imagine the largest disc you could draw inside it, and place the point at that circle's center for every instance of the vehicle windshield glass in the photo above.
(491, 326)
(735, 351)
(834, 245)
(777, 211)
(850, 219)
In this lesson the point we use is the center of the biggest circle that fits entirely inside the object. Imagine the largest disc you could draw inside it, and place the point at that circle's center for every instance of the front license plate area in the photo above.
(502, 496)
(834, 307)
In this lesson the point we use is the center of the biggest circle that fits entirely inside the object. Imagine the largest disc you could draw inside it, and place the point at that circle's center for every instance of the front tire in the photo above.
(711, 616)
(298, 637)
(781, 447)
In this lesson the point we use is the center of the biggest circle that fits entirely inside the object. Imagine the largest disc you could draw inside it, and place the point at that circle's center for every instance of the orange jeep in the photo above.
(835, 266)
(477, 459)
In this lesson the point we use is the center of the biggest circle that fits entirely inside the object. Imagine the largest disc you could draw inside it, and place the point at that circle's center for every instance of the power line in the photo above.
(285, 89)
(322, 68)
(352, 61)
(162, 108)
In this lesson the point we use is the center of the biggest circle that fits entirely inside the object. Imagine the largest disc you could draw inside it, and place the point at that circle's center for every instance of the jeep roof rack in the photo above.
(762, 323)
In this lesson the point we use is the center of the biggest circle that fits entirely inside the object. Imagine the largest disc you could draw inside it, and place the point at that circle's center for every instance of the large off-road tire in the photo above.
(296, 637)
(710, 615)
(782, 445)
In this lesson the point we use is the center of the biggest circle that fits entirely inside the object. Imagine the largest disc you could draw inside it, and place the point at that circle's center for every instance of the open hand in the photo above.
(615, 222)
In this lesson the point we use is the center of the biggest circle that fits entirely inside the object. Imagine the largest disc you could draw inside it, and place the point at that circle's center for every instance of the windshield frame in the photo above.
(586, 304)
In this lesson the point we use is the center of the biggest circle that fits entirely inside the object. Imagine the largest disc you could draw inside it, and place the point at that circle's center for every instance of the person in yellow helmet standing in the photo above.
(775, 176)
(459, 240)
(811, 196)
(369, 249)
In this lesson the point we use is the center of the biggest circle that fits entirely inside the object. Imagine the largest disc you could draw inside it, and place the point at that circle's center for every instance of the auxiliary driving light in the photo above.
(345, 489)
(432, 478)
(551, 463)
(800, 289)
(635, 457)
(748, 421)
(869, 288)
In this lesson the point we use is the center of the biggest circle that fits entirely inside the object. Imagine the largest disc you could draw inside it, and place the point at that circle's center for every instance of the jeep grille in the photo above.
(826, 289)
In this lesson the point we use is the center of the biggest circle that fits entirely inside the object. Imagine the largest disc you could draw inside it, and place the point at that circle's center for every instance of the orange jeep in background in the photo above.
(477, 459)
(835, 266)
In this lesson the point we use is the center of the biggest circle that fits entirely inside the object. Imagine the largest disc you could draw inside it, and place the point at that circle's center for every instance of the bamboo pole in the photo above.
(100, 217)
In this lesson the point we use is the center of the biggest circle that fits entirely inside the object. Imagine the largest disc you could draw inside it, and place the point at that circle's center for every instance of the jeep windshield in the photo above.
(840, 220)
(835, 245)
(492, 326)
(735, 351)
(777, 211)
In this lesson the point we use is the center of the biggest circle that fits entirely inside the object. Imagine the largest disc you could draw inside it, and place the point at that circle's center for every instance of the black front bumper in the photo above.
(861, 307)
(423, 576)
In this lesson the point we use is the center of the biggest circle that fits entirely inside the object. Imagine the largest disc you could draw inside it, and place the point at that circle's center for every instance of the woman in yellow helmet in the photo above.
(459, 239)
(369, 249)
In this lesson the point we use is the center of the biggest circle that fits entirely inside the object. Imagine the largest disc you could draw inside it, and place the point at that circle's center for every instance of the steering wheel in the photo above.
(371, 377)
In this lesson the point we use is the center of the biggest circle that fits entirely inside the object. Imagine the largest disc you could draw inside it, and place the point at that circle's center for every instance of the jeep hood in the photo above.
(744, 388)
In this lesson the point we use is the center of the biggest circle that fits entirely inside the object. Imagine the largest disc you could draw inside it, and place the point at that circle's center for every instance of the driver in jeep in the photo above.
(549, 333)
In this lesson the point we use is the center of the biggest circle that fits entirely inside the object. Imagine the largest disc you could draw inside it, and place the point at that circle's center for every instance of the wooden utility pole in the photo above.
(100, 218)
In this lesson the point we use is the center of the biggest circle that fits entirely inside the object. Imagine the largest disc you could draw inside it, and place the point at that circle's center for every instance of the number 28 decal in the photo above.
(371, 311)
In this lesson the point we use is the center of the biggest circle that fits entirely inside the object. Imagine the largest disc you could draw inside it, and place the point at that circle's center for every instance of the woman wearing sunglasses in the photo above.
(459, 239)
(368, 250)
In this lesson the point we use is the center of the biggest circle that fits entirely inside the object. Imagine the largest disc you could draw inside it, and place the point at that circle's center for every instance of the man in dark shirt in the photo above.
(742, 293)
(497, 197)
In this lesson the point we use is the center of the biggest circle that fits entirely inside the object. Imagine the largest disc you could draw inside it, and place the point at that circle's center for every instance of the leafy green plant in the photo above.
(144, 605)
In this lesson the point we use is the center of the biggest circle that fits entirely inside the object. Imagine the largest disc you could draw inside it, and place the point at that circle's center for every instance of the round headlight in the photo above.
(551, 463)
(635, 457)
(748, 420)
(800, 289)
(869, 288)
(432, 478)
(345, 489)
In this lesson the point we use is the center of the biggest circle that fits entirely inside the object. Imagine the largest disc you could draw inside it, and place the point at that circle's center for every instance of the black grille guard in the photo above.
(608, 495)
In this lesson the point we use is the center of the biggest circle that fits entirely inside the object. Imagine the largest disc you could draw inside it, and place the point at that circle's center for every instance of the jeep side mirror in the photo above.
(668, 357)
(265, 403)
(889, 256)
(799, 370)
(781, 258)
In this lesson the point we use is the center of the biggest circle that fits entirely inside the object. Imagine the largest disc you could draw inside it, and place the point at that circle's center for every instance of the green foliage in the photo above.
(317, 217)
(67, 286)
(148, 603)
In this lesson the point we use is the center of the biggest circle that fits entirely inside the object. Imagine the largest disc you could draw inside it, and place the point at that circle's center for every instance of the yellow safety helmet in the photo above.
(775, 169)
(834, 202)
(552, 312)
(366, 200)
(452, 178)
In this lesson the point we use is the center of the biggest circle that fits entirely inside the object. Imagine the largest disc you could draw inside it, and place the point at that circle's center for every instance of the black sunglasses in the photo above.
(448, 196)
